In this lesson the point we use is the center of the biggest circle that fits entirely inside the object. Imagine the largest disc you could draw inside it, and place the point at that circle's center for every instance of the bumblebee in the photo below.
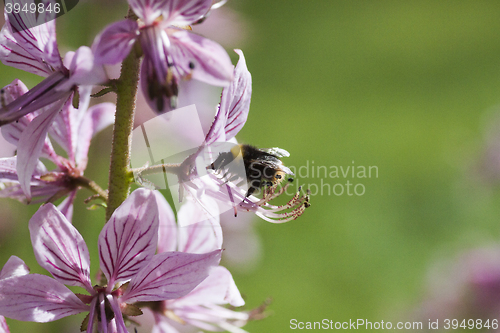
(263, 167)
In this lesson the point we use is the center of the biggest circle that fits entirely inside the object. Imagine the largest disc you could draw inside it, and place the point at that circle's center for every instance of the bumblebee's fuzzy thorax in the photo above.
(263, 167)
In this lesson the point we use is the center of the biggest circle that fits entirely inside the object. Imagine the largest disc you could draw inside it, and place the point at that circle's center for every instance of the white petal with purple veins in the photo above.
(66, 206)
(12, 133)
(62, 128)
(167, 229)
(200, 57)
(38, 298)
(15, 266)
(185, 12)
(128, 240)
(235, 99)
(83, 70)
(38, 97)
(114, 43)
(31, 144)
(94, 120)
(234, 106)
(217, 288)
(199, 229)
(13, 91)
(170, 275)
(8, 171)
(59, 247)
(33, 50)
(67, 124)
(147, 10)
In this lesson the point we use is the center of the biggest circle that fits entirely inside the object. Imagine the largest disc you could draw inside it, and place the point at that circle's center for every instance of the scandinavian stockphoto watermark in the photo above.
(354, 324)
(334, 180)
(183, 131)
(365, 324)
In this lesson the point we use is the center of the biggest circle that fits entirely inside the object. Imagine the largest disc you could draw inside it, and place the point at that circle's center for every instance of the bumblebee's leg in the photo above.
(253, 185)
(221, 161)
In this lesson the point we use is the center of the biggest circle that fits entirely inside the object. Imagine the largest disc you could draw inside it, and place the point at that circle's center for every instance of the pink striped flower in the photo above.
(13, 267)
(204, 307)
(171, 53)
(24, 177)
(127, 245)
(35, 50)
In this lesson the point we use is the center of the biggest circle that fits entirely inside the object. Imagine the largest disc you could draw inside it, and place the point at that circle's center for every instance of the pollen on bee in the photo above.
(235, 151)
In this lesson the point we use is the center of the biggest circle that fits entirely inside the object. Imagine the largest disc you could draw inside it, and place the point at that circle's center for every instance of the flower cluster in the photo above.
(151, 259)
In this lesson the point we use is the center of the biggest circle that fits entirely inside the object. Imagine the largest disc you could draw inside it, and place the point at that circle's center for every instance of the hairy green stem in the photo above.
(91, 185)
(119, 169)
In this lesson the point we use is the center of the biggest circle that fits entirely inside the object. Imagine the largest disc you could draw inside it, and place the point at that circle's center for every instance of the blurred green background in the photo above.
(409, 87)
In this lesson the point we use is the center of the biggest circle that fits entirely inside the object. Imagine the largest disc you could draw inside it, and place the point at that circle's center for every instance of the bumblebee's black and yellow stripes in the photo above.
(263, 167)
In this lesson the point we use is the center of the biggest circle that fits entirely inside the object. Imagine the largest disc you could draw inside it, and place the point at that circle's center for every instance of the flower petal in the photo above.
(92, 315)
(119, 324)
(158, 98)
(63, 130)
(235, 99)
(217, 288)
(128, 241)
(234, 106)
(41, 190)
(59, 247)
(199, 230)
(147, 10)
(209, 60)
(8, 172)
(38, 97)
(94, 120)
(162, 325)
(38, 298)
(217, 132)
(12, 91)
(167, 229)
(33, 50)
(170, 275)
(66, 206)
(12, 133)
(3, 325)
(185, 12)
(15, 266)
(66, 125)
(154, 70)
(114, 43)
(214, 318)
(83, 70)
(31, 144)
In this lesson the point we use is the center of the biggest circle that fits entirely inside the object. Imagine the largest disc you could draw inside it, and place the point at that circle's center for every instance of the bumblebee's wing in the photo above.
(278, 152)
(286, 170)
